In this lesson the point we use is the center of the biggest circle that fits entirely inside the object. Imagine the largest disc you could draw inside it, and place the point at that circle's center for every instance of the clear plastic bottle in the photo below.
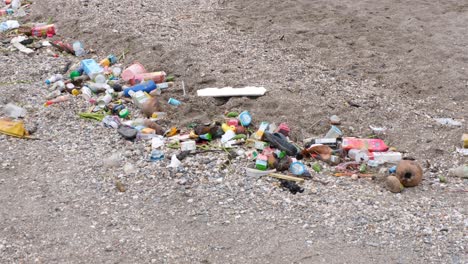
(54, 78)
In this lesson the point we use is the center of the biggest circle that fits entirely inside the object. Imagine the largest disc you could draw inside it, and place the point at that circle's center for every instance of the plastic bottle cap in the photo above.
(74, 74)
(124, 113)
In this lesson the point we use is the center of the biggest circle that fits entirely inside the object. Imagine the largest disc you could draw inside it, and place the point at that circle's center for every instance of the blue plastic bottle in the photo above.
(144, 86)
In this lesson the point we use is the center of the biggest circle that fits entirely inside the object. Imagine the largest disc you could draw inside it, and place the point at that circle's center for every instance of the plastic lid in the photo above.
(124, 113)
(74, 74)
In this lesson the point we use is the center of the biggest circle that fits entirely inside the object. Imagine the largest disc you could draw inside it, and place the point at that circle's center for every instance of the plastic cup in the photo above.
(134, 69)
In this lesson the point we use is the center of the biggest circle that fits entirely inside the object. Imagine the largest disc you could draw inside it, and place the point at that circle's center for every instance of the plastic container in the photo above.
(156, 155)
(144, 87)
(297, 168)
(261, 130)
(188, 145)
(78, 48)
(245, 118)
(334, 132)
(262, 162)
(460, 171)
(108, 61)
(91, 68)
(14, 111)
(372, 145)
(283, 129)
(251, 172)
(43, 31)
(134, 69)
(174, 102)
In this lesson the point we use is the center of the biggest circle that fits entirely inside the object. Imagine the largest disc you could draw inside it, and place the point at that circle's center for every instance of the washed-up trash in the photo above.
(291, 186)
(128, 133)
(448, 121)
(464, 139)
(157, 77)
(13, 128)
(14, 111)
(188, 145)
(322, 152)
(8, 25)
(394, 185)
(134, 69)
(95, 116)
(174, 102)
(113, 161)
(16, 42)
(43, 30)
(460, 171)
(175, 162)
(57, 100)
(156, 155)
(157, 142)
(129, 169)
(257, 173)
(229, 91)
(334, 132)
(409, 172)
(335, 120)
(279, 141)
(78, 49)
(286, 177)
(372, 145)
(120, 186)
(378, 130)
(297, 168)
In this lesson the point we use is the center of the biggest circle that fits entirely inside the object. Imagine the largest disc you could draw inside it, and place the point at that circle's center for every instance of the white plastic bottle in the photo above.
(386, 157)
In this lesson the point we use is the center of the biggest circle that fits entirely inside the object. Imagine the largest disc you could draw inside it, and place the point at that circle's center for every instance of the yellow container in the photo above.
(465, 140)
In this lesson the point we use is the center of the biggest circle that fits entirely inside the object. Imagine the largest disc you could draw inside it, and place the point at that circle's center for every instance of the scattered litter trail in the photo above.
(60, 204)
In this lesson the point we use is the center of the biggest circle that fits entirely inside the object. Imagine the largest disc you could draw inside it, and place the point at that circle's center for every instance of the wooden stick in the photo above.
(286, 177)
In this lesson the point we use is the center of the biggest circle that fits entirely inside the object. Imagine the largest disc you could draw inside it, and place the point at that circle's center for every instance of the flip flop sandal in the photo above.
(279, 141)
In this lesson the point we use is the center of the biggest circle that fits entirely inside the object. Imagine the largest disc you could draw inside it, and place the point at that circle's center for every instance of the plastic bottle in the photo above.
(261, 130)
(157, 77)
(139, 98)
(145, 87)
(386, 157)
(59, 99)
(372, 145)
(460, 171)
(54, 78)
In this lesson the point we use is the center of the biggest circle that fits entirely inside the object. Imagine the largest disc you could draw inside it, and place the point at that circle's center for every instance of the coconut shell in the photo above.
(393, 184)
(409, 172)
